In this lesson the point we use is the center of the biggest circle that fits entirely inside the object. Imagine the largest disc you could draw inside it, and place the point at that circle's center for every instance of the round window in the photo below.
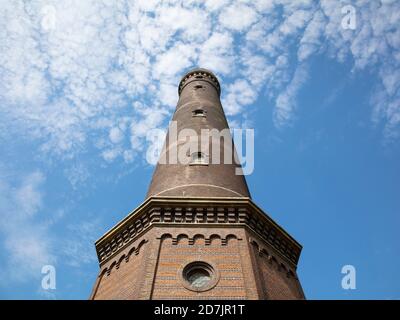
(199, 276)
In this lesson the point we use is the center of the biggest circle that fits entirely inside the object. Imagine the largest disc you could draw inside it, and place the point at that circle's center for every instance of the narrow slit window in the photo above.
(198, 86)
(199, 113)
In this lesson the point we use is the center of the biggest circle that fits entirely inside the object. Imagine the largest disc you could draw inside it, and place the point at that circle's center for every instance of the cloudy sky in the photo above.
(82, 82)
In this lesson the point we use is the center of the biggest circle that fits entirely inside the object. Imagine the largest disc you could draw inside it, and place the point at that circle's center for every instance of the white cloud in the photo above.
(28, 196)
(77, 249)
(173, 62)
(192, 23)
(237, 17)
(77, 175)
(297, 20)
(310, 42)
(31, 236)
(26, 242)
(168, 94)
(216, 53)
(147, 5)
(150, 118)
(106, 73)
(214, 5)
(68, 86)
(239, 93)
(116, 135)
(286, 101)
(110, 155)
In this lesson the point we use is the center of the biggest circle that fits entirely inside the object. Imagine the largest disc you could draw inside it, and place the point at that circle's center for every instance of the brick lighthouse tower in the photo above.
(198, 234)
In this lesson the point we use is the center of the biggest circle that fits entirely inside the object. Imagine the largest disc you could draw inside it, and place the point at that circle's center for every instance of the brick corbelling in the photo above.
(196, 211)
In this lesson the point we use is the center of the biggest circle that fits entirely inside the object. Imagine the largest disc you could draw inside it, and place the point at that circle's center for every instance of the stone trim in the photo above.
(199, 185)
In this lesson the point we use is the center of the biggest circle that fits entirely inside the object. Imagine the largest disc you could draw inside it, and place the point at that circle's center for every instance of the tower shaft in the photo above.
(198, 111)
(198, 234)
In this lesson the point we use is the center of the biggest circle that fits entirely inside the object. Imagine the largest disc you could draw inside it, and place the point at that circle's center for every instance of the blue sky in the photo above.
(82, 82)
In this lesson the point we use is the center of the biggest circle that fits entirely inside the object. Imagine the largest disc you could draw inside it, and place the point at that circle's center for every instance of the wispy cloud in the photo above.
(78, 248)
(72, 73)
(97, 75)
(32, 235)
(26, 243)
(286, 100)
(238, 17)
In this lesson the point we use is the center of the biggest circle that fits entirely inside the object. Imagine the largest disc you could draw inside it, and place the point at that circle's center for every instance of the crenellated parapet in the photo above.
(199, 74)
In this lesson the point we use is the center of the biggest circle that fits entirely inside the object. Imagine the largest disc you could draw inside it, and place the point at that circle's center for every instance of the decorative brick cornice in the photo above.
(192, 239)
(197, 212)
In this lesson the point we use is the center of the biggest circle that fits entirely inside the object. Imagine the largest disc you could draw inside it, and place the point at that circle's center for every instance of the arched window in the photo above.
(198, 158)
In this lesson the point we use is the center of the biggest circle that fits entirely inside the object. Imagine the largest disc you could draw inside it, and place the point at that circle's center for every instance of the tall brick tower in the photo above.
(198, 234)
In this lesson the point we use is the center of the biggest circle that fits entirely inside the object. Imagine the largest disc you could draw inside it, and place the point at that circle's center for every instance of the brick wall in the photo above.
(221, 248)
(122, 277)
(151, 267)
(278, 279)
